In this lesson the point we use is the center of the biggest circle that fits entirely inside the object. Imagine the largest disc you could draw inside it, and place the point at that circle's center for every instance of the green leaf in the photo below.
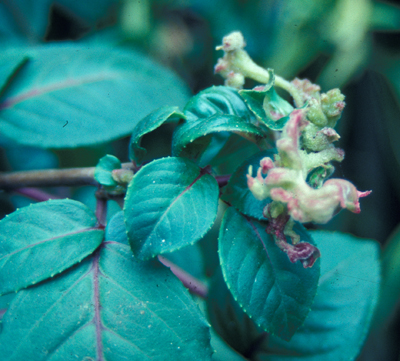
(276, 293)
(192, 138)
(73, 95)
(238, 194)
(341, 313)
(170, 203)
(103, 170)
(116, 230)
(148, 124)
(110, 307)
(230, 322)
(390, 290)
(202, 108)
(10, 64)
(216, 100)
(268, 106)
(44, 239)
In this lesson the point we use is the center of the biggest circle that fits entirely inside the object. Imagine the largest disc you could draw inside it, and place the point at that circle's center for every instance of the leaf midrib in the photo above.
(35, 92)
(49, 240)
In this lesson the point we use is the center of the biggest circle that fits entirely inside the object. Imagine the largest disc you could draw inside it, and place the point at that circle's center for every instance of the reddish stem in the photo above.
(193, 284)
(35, 194)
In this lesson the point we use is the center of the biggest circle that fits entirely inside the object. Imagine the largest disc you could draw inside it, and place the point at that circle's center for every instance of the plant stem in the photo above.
(101, 211)
(51, 177)
(35, 194)
(222, 180)
(193, 284)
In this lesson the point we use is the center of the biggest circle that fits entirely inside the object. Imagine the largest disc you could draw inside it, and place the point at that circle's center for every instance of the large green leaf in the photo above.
(276, 293)
(238, 194)
(69, 95)
(110, 307)
(341, 313)
(170, 203)
(192, 138)
(41, 240)
(148, 124)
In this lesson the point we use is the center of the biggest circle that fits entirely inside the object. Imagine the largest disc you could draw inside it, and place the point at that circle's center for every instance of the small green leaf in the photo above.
(103, 170)
(44, 239)
(216, 100)
(205, 106)
(170, 203)
(268, 106)
(341, 313)
(276, 293)
(192, 138)
(116, 230)
(75, 95)
(238, 194)
(110, 307)
(148, 124)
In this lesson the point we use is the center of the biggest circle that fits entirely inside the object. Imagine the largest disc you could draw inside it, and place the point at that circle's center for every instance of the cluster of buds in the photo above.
(296, 179)
(284, 181)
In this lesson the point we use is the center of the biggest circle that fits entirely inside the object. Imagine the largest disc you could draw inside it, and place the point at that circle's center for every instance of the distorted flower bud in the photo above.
(286, 179)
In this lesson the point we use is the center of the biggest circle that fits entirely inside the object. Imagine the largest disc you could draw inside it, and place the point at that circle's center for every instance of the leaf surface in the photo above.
(170, 203)
(73, 95)
(348, 291)
(44, 239)
(148, 124)
(110, 307)
(192, 138)
(276, 293)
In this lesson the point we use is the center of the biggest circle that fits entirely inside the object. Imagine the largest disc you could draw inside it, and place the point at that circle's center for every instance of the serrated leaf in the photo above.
(192, 138)
(73, 95)
(108, 308)
(276, 293)
(102, 172)
(341, 313)
(148, 124)
(268, 106)
(238, 194)
(210, 102)
(44, 239)
(170, 203)
(216, 100)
